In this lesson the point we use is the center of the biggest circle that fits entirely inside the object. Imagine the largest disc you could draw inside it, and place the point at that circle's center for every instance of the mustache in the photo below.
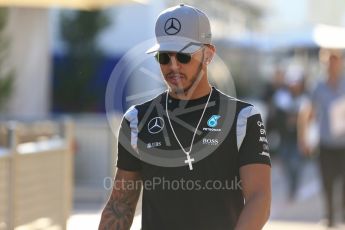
(174, 73)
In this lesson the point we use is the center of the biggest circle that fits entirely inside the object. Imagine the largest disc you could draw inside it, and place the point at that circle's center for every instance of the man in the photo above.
(201, 156)
(328, 96)
(287, 102)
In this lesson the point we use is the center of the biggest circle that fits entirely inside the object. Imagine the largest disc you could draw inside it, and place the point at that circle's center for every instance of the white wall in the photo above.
(132, 24)
(298, 14)
(327, 12)
(286, 15)
(29, 57)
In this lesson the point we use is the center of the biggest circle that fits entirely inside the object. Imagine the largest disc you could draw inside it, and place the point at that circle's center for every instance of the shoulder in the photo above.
(137, 110)
(243, 108)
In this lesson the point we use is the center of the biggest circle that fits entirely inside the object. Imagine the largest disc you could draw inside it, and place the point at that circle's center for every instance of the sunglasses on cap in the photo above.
(163, 58)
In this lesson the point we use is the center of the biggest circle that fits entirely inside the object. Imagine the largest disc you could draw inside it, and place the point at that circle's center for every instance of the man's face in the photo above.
(180, 77)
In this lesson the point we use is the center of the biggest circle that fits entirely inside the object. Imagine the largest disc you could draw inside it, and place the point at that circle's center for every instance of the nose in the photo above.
(173, 64)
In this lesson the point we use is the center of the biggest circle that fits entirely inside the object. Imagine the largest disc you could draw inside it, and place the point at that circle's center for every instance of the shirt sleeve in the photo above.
(254, 148)
(127, 158)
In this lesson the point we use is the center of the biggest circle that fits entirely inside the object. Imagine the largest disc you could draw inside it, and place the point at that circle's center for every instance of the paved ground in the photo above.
(305, 213)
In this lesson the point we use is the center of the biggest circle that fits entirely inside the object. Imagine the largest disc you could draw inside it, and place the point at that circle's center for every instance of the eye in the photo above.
(183, 58)
(162, 58)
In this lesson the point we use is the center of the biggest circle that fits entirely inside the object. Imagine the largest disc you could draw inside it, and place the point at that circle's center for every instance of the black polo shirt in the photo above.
(231, 134)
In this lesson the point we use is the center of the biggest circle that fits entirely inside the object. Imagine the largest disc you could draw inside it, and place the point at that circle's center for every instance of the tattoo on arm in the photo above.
(119, 211)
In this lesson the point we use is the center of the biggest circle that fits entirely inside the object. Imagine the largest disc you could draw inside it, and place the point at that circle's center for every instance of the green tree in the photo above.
(6, 77)
(74, 91)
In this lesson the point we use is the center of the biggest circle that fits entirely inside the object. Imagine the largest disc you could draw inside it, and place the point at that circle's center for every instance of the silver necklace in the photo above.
(189, 159)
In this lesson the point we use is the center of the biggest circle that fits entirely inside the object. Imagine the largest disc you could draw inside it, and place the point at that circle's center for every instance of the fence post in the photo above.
(68, 162)
(12, 144)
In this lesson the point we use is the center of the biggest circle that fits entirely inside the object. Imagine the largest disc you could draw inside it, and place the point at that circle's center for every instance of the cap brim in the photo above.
(183, 47)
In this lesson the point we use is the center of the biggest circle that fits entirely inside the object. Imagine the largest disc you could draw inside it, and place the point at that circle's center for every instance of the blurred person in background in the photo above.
(272, 125)
(243, 153)
(288, 101)
(276, 83)
(327, 96)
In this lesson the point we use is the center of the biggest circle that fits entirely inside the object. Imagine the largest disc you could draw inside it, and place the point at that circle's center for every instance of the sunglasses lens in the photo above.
(183, 58)
(162, 58)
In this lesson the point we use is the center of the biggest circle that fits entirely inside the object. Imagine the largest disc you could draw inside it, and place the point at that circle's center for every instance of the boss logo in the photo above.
(207, 141)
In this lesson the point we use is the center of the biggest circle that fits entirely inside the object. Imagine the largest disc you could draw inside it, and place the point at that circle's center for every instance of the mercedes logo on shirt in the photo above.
(155, 125)
(172, 26)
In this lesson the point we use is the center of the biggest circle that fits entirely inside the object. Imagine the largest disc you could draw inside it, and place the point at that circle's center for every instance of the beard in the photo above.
(192, 83)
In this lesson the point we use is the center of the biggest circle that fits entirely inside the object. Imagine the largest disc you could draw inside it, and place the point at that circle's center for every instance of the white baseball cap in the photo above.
(181, 28)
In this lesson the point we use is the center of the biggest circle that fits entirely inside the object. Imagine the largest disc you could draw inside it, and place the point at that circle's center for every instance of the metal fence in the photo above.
(36, 175)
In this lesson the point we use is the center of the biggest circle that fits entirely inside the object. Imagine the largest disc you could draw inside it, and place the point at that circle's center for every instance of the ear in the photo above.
(210, 51)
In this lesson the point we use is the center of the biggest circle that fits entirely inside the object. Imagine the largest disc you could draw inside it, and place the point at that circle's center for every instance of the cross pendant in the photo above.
(189, 162)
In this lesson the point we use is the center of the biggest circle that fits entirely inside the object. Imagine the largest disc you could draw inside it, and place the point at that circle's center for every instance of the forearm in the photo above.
(117, 216)
(302, 124)
(255, 213)
(119, 211)
(304, 119)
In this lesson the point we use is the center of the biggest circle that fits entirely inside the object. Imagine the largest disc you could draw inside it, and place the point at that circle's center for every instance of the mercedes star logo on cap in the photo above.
(155, 125)
(172, 26)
